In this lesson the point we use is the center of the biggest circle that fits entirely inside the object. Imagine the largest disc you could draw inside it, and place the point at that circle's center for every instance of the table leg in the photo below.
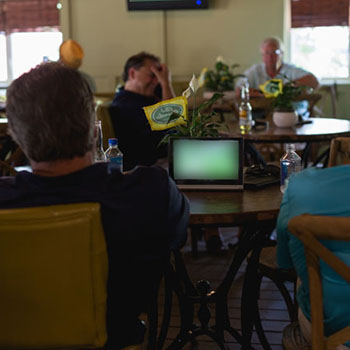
(253, 238)
(251, 284)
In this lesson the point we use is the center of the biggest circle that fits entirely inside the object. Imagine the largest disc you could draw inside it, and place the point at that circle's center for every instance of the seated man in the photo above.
(143, 74)
(273, 67)
(51, 116)
(318, 192)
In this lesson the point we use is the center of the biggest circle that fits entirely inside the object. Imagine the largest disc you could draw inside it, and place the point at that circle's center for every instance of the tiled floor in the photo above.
(213, 268)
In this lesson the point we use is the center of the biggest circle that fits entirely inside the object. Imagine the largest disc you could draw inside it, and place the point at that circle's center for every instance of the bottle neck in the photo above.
(245, 93)
(290, 147)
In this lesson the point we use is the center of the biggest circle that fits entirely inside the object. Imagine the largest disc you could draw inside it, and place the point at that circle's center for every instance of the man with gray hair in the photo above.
(273, 67)
(51, 116)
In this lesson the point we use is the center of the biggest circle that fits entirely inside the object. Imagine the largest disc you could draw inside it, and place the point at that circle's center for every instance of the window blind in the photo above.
(28, 15)
(315, 13)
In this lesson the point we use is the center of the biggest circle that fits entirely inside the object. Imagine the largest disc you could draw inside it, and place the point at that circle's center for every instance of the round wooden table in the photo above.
(233, 207)
(320, 129)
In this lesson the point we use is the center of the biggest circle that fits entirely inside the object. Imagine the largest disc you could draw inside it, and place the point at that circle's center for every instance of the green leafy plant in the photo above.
(222, 78)
(284, 94)
(284, 101)
(199, 122)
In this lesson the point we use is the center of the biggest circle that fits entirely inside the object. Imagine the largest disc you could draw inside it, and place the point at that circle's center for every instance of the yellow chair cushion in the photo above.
(53, 277)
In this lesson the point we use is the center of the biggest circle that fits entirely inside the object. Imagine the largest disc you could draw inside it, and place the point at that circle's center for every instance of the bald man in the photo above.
(273, 67)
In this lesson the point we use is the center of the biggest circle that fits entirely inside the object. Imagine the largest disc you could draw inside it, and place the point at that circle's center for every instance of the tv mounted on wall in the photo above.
(166, 4)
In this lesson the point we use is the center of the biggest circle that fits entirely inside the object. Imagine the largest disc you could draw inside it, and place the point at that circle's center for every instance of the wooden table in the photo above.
(321, 129)
(257, 211)
(3, 125)
(233, 207)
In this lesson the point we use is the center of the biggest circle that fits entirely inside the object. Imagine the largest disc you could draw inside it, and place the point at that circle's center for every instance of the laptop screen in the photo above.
(206, 163)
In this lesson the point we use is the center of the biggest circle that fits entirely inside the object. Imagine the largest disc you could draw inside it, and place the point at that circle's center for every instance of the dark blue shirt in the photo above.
(137, 141)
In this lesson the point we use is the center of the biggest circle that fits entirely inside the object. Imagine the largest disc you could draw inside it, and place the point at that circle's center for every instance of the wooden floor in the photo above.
(212, 268)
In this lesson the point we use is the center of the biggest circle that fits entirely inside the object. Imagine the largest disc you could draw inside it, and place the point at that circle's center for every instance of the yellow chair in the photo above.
(339, 151)
(102, 113)
(310, 229)
(53, 278)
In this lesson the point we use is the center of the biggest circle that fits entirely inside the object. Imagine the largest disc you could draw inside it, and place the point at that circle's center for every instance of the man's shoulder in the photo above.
(319, 187)
(123, 97)
(333, 173)
(7, 182)
(149, 173)
(257, 67)
(288, 68)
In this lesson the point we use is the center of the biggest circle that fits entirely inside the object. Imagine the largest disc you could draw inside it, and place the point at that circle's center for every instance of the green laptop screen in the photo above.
(203, 159)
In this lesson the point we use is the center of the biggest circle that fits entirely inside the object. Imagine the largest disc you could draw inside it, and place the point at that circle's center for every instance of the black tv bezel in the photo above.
(189, 182)
(166, 5)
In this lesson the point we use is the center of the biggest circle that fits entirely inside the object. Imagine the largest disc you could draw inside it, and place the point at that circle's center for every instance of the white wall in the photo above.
(187, 39)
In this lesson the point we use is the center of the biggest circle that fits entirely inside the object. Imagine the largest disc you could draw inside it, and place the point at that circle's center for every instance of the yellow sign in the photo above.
(167, 114)
(272, 88)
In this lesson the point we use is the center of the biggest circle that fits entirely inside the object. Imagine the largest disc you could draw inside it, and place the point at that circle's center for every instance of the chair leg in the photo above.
(292, 310)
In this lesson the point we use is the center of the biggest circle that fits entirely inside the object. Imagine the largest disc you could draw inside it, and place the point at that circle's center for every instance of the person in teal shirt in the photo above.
(319, 192)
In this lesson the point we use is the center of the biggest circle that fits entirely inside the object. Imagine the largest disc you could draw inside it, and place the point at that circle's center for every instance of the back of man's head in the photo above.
(137, 61)
(51, 113)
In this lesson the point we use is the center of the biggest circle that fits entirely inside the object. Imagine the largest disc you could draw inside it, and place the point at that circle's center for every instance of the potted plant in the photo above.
(198, 123)
(221, 79)
(284, 115)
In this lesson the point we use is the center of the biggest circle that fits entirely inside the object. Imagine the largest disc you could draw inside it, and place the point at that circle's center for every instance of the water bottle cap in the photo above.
(113, 142)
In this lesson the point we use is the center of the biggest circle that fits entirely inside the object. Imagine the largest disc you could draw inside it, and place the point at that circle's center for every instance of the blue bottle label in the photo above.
(284, 171)
(118, 161)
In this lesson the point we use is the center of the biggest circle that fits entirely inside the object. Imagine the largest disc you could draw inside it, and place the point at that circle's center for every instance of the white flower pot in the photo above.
(228, 95)
(284, 119)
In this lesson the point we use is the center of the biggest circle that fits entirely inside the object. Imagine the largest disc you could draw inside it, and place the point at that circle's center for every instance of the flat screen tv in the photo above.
(166, 4)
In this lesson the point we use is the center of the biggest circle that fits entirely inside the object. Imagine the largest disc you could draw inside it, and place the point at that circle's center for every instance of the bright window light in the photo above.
(3, 57)
(31, 48)
(324, 51)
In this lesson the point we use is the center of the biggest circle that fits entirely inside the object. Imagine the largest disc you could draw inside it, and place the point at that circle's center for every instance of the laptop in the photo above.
(206, 163)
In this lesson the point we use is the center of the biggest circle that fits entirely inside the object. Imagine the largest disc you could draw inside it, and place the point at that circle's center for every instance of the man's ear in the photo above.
(131, 73)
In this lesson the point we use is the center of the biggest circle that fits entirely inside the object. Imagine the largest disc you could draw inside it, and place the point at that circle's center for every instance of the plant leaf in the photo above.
(173, 116)
(211, 101)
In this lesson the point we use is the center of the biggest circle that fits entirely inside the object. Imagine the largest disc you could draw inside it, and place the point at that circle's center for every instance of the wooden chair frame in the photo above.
(310, 229)
(339, 151)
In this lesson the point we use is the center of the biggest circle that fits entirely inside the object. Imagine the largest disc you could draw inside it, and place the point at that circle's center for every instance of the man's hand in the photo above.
(163, 75)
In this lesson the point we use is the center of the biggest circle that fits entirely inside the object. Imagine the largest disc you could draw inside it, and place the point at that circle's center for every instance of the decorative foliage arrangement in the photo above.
(198, 123)
(284, 94)
(222, 78)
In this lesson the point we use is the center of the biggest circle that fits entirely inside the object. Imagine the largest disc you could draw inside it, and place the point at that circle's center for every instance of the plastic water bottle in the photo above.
(113, 153)
(290, 163)
(245, 110)
(99, 152)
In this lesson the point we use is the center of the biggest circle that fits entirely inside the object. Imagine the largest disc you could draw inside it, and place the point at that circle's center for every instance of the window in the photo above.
(30, 48)
(29, 34)
(320, 37)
